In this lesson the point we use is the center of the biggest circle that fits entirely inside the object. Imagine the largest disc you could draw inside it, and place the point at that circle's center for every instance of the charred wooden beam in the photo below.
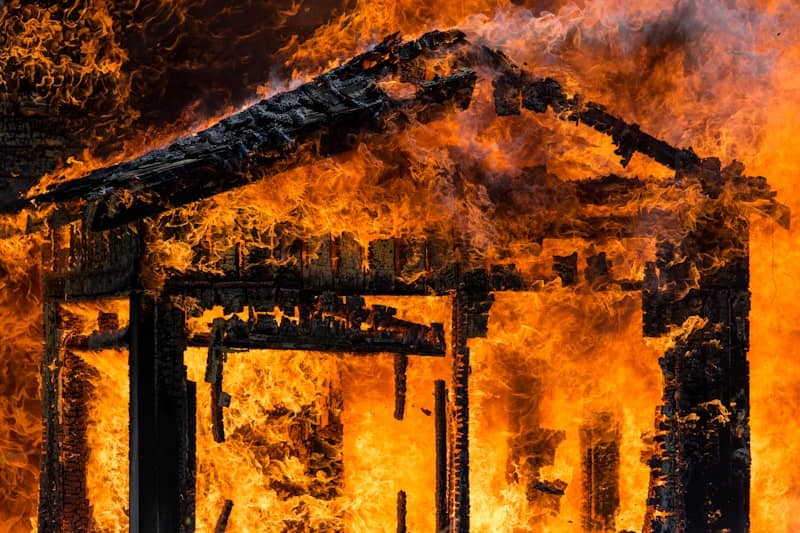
(514, 86)
(459, 450)
(50, 483)
(188, 468)
(325, 115)
(566, 267)
(224, 516)
(540, 94)
(440, 421)
(598, 270)
(159, 414)
(99, 340)
(143, 441)
(471, 306)
(330, 323)
(700, 473)
(215, 365)
(600, 441)
(92, 266)
(401, 511)
(76, 399)
(290, 341)
(400, 384)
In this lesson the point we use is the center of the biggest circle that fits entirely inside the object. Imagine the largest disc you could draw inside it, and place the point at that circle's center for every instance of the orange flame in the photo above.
(721, 77)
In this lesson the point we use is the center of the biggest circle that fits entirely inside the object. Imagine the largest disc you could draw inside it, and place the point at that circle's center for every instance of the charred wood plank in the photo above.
(440, 421)
(539, 94)
(348, 258)
(600, 441)
(224, 516)
(100, 340)
(400, 384)
(382, 264)
(506, 278)
(459, 449)
(365, 345)
(271, 134)
(215, 364)
(188, 470)
(330, 323)
(566, 267)
(50, 483)
(76, 399)
(318, 267)
(700, 473)
(143, 440)
(401, 511)
(507, 95)
(159, 413)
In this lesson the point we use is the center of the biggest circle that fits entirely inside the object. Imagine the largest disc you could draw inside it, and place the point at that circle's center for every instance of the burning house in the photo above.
(435, 282)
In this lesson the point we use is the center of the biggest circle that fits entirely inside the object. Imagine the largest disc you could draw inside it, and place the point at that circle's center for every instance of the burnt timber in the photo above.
(327, 323)
(347, 102)
(700, 475)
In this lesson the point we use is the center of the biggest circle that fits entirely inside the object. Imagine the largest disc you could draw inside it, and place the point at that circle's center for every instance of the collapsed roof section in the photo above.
(328, 115)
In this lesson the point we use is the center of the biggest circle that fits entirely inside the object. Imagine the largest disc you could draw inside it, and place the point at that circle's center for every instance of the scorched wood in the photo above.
(700, 474)
(329, 323)
(224, 516)
(268, 136)
(401, 511)
(50, 483)
(440, 422)
(327, 115)
(400, 385)
(215, 365)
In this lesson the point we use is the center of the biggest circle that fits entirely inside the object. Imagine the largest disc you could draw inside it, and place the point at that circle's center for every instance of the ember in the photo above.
(367, 266)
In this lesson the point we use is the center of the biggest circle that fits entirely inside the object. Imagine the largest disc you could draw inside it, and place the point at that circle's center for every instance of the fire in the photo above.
(106, 371)
(720, 77)
(574, 353)
(20, 430)
(377, 467)
(263, 466)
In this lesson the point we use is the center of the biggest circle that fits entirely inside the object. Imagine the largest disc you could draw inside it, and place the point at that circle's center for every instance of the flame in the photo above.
(107, 425)
(20, 344)
(107, 433)
(266, 472)
(720, 77)
(377, 467)
(261, 466)
(553, 362)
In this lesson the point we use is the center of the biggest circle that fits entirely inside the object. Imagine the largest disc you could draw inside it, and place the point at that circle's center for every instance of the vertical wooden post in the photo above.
(400, 385)
(50, 488)
(401, 512)
(143, 429)
(460, 447)
(75, 397)
(160, 418)
(600, 439)
(440, 420)
(700, 476)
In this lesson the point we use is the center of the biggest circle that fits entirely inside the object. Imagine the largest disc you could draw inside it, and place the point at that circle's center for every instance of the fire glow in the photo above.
(471, 192)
